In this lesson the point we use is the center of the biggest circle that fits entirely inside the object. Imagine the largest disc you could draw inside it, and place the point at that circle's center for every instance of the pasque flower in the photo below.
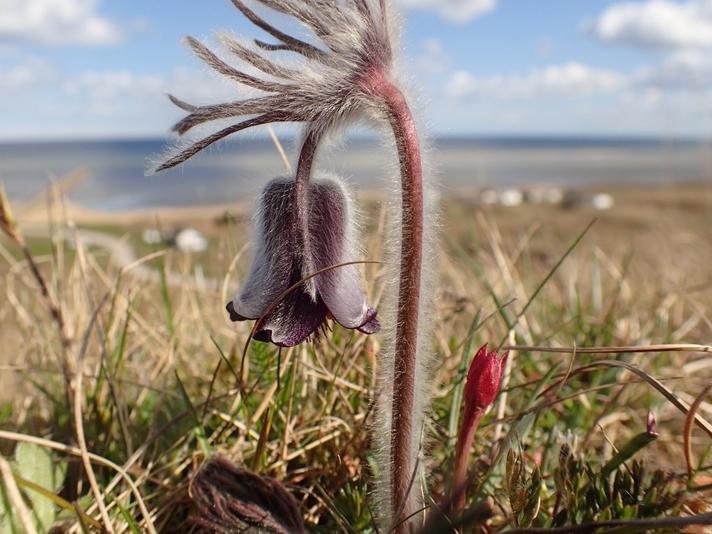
(484, 379)
(283, 262)
(344, 73)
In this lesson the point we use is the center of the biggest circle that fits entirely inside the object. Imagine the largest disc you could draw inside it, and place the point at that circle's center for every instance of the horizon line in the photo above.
(513, 136)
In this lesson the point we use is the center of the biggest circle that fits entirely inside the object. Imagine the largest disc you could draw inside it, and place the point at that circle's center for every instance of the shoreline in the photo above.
(35, 211)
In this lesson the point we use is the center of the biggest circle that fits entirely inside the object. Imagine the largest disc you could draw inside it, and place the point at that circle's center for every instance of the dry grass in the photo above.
(152, 378)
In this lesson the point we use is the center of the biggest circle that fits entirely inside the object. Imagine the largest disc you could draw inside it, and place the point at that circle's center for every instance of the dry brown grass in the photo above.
(163, 384)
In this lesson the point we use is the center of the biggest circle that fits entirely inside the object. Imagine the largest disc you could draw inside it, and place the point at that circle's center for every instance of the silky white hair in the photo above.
(325, 87)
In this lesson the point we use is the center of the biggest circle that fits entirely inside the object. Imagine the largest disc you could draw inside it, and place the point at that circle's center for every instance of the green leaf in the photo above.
(466, 357)
(639, 442)
(198, 429)
(5, 411)
(35, 464)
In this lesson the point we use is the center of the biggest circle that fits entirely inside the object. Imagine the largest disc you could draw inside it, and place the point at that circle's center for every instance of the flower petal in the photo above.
(371, 326)
(295, 319)
(273, 261)
(331, 237)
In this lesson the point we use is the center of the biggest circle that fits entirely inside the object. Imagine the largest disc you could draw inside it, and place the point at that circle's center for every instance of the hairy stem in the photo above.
(301, 191)
(462, 452)
(411, 252)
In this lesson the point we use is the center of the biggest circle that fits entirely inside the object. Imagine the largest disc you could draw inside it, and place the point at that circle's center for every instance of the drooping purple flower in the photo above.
(285, 258)
(345, 71)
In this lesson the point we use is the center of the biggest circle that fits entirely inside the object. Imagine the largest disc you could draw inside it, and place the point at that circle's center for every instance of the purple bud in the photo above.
(651, 425)
(285, 258)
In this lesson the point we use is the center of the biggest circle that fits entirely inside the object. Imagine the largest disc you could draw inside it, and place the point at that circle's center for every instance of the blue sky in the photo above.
(91, 68)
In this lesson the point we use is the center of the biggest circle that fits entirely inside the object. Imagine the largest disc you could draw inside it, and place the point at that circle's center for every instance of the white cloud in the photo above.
(460, 11)
(111, 84)
(682, 70)
(55, 22)
(572, 79)
(433, 58)
(25, 74)
(657, 23)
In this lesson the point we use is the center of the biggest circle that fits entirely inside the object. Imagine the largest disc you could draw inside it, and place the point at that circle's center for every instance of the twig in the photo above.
(13, 494)
(280, 149)
(660, 523)
(689, 422)
(79, 425)
(14, 436)
(665, 392)
(613, 350)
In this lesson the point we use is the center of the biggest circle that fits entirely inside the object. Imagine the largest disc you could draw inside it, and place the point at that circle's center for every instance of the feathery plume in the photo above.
(347, 73)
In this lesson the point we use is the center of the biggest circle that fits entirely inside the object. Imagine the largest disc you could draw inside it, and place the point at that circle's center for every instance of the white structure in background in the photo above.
(602, 201)
(489, 197)
(511, 198)
(151, 236)
(190, 240)
(553, 195)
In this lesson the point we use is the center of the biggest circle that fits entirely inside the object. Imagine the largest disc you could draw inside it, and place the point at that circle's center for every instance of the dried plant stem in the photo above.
(13, 494)
(406, 341)
(9, 227)
(52, 305)
(689, 423)
(79, 425)
(14, 436)
(280, 149)
(666, 523)
(614, 350)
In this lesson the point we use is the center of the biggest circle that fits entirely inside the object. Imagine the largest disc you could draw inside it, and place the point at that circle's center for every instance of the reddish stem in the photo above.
(405, 360)
(301, 191)
(405, 364)
(462, 453)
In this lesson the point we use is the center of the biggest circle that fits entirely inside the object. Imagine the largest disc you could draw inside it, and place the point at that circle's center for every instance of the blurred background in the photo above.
(516, 94)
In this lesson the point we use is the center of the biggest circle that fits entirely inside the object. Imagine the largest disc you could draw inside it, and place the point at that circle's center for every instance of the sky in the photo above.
(79, 69)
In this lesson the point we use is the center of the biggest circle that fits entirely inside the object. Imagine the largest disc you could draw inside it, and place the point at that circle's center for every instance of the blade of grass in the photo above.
(198, 429)
(689, 420)
(630, 449)
(56, 499)
(127, 517)
(165, 295)
(453, 423)
(546, 279)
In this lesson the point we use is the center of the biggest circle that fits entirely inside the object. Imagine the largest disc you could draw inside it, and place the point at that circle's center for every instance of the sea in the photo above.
(116, 177)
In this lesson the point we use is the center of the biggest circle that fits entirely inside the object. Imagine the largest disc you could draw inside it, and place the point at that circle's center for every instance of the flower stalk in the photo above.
(483, 383)
(348, 75)
(406, 342)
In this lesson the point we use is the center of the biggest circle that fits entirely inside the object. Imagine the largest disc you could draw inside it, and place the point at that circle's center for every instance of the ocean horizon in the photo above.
(237, 169)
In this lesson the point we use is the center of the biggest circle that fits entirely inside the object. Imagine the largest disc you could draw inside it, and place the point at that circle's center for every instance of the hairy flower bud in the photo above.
(483, 380)
(284, 258)
(483, 383)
